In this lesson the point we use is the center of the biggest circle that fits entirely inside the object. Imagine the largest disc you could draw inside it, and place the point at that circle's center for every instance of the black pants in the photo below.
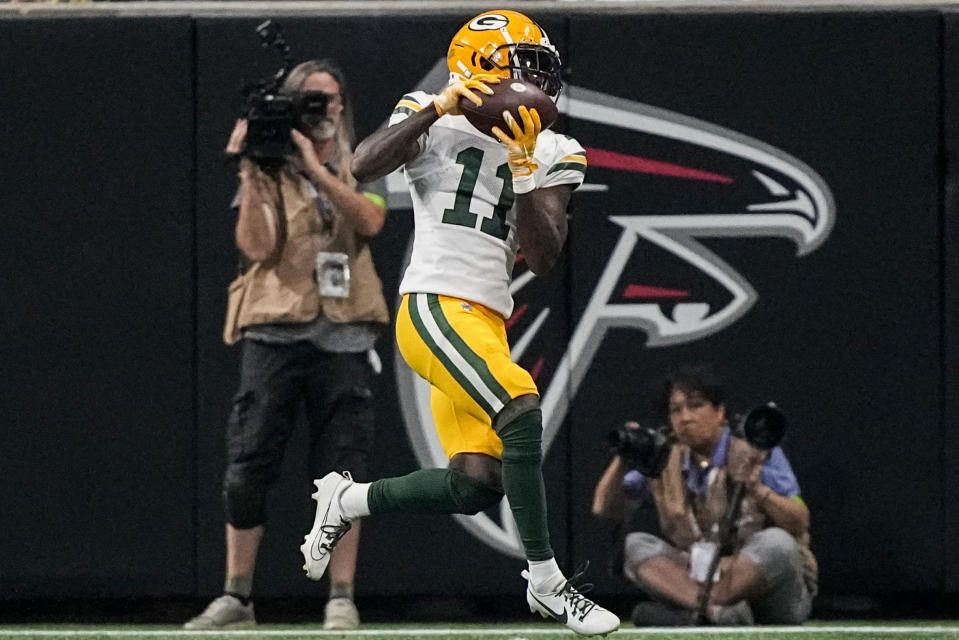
(276, 380)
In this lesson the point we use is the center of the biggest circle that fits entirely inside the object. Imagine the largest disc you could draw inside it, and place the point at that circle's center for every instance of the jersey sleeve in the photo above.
(777, 474)
(409, 104)
(567, 163)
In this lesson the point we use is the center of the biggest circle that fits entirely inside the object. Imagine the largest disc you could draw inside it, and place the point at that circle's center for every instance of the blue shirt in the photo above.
(777, 473)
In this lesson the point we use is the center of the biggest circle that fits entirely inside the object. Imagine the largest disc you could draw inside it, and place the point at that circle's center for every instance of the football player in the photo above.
(476, 201)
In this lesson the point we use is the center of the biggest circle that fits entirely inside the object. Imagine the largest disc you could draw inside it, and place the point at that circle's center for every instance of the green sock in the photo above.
(523, 481)
(431, 491)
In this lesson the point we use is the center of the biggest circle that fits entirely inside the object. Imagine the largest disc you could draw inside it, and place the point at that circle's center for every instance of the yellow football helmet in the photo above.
(507, 44)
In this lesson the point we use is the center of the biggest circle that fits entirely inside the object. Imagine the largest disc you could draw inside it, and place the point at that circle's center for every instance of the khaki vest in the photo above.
(684, 516)
(283, 289)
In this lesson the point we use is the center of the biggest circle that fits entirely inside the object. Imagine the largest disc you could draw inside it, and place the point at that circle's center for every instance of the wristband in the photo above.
(523, 184)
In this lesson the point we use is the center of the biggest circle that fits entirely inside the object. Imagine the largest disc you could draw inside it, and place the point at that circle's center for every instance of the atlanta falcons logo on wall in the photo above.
(693, 181)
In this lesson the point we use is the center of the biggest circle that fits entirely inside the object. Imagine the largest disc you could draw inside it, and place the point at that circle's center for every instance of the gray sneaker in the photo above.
(737, 615)
(226, 612)
(341, 614)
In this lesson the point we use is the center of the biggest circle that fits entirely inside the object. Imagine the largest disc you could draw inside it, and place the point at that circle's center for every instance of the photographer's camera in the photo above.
(642, 448)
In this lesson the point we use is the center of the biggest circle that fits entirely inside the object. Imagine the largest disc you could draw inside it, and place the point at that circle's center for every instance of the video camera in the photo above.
(271, 112)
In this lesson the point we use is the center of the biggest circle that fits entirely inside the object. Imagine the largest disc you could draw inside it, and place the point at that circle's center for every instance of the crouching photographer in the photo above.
(715, 530)
(307, 309)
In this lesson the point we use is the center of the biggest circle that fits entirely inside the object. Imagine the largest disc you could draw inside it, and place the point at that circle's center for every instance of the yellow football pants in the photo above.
(460, 347)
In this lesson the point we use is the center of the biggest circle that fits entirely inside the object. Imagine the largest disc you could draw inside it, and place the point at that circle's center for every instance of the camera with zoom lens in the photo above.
(647, 450)
(763, 426)
(642, 448)
(271, 112)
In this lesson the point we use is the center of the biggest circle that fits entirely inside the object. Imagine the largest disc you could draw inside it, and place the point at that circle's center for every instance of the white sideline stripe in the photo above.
(507, 631)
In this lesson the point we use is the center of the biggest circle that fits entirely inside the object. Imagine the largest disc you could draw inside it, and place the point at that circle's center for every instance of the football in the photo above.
(508, 95)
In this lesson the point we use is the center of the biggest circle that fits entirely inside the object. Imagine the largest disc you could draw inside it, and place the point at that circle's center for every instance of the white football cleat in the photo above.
(570, 607)
(328, 526)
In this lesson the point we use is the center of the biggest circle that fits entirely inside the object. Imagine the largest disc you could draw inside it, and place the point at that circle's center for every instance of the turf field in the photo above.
(845, 631)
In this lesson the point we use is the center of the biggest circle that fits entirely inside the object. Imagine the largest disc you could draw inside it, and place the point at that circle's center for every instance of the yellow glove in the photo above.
(520, 147)
(448, 100)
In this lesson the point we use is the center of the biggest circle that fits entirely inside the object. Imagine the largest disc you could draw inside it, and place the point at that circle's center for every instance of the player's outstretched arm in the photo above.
(391, 147)
(388, 148)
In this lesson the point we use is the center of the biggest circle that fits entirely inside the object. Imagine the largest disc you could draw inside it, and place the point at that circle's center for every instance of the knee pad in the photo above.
(471, 495)
(523, 437)
(244, 503)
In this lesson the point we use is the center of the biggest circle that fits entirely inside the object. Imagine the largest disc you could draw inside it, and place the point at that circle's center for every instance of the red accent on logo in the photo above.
(516, 315)
(643, 291)
(537, 369)
(613, 160)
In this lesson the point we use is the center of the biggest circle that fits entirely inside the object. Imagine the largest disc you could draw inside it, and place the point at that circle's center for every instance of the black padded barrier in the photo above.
(846, 338)
(97, 449)
(115, 196)
(950, 287)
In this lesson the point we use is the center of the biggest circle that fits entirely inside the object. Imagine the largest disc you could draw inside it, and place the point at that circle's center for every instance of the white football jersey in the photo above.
(465, 240)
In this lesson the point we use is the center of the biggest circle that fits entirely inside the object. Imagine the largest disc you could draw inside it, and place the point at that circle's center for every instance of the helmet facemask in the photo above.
(533, 63)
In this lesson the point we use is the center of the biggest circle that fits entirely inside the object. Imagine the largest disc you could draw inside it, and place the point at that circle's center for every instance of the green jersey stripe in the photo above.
(567, 166)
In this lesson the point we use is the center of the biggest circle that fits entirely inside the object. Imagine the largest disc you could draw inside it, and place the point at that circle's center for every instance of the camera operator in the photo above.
(670, 490)
(307, 310)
